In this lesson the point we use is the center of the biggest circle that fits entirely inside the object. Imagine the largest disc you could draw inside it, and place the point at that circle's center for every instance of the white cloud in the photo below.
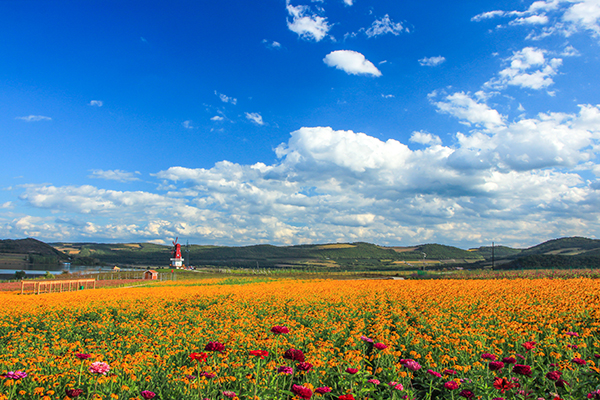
(432, 61)
(383, 26)
(217, 118)
(115, 175)
(187, 124)
(34, 118)
(271, 44)
(469, 111)
(529, 68)
(349, 2)
(351, 62)
(255, 117)
(564, 17)
(226, 99)
(7, 205)
(425, 138)
(96, 103)
(306, 24)
(495, 182)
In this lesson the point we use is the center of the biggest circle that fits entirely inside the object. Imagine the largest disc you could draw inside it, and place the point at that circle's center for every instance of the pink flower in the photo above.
(229, 393)
(15, 375)
(571, 333)
(285, 370)
(451, 385)
(82, 356)
(323, 389)
(412, 365)
(579, 361)
(351, 371)
(374, 381)
(99, 367)
(380, 346)
(396, 385)
(467, 394)
(278, 329)
(147, 395)
(509, 360)
(432, 372)
(488, 356)
(366, 339)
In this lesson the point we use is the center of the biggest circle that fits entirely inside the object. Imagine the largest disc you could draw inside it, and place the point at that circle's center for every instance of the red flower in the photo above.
(215, 346)
(323, 390)
(380, 346)
(509, 360)
(496, 365)
(200, 357)
(82, 356)
(259, 353)
(346, 397)
(451, 385)
(73, 393)
(503, 384)
(351, 371)
(488, 356)
(303, 392)
(522, 369)
(529, 345)
(304, 366)
(467, 394)
(278, 330)
(579, 361)
(554, 375)
(294, 355)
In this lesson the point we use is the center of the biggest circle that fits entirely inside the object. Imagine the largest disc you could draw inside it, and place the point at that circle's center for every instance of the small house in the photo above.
(150, 274)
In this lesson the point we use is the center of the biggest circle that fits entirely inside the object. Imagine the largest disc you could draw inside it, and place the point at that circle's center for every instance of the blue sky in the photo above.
(298, 121)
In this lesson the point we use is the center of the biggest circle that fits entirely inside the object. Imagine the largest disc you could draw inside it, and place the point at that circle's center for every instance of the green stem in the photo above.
(198, 378)
(80, 371)
(256, 379)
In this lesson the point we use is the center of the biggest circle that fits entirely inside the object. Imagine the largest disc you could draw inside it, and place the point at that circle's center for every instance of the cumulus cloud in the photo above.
(217, 118)
(529, 68)
(96, 103)
(255, 117)
(226, 99)
(34, 118)
(351, 62)
(425, 138)
(187, 124)
(383, 26)
(469, 111)
(306, 24)
(496, 181)
(432, 61)
(115, 175)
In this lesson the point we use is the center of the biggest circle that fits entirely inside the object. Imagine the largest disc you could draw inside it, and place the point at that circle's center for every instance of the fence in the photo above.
(57, 286)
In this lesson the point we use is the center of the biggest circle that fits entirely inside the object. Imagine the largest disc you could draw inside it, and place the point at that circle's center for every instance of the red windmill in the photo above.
(177, 260)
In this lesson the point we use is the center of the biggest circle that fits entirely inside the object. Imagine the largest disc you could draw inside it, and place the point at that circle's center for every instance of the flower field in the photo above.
(288, 339)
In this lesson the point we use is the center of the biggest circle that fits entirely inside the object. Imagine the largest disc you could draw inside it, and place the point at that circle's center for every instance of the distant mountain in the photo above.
(29, 251)
(560, 253)
(568, 246)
